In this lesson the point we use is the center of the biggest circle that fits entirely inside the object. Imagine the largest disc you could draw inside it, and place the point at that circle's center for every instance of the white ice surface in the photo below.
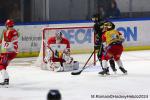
(31, 83)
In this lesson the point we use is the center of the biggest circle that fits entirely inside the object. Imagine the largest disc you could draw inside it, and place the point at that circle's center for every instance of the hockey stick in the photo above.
(84, 67)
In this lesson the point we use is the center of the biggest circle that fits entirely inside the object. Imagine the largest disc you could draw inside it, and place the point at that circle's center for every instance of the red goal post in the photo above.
(81, 38)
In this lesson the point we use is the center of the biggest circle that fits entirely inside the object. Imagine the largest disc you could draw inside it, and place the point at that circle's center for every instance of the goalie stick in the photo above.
(84, 67)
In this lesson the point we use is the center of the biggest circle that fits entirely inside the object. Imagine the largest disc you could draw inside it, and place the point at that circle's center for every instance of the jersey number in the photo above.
(6, 45)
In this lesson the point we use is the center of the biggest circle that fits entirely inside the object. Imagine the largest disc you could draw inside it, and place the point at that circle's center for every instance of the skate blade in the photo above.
(125, 73)
(104, 75)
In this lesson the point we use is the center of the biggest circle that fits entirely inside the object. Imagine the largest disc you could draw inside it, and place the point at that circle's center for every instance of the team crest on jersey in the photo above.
(58, 47)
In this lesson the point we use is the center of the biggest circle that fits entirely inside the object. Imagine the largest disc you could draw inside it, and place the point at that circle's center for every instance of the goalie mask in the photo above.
(58, 37)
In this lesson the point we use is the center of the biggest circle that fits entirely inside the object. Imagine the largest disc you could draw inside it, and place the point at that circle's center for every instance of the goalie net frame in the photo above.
(43, 46)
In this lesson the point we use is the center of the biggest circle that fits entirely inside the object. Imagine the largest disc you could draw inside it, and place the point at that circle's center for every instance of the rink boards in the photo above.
(136, 33)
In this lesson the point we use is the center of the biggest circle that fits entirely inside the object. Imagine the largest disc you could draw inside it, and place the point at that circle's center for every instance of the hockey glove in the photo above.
(97, 47)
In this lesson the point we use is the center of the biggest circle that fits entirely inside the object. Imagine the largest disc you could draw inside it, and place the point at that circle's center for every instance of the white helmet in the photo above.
(59, 34)
(58, 37)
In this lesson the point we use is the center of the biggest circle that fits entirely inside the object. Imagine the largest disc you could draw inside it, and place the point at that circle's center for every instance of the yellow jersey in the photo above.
(112, 36)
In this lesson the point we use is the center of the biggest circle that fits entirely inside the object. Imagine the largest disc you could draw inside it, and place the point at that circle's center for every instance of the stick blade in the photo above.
(76, 73)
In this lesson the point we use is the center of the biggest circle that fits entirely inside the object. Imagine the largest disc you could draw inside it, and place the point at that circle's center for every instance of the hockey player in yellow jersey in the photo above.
(113, 48)
(113, 36)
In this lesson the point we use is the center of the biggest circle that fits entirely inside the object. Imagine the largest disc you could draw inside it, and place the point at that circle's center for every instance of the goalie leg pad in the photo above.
(56, 66)
(47, 57)
(52, 66)
(68, 67)
(73, 66)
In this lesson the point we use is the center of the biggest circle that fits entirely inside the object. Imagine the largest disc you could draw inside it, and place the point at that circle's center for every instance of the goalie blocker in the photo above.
(58, 55)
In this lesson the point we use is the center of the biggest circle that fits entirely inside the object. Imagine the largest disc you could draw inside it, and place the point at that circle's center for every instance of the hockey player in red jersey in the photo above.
(9, 49)
(58, 39)
(113, 40)
(58, 54)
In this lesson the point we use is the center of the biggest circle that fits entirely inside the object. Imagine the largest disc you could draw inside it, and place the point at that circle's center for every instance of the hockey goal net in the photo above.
(81, 43)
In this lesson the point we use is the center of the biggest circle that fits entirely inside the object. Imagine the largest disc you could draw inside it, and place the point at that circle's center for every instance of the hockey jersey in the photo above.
(112, 36)
(57, 49)
(52, 40)
(9, 41)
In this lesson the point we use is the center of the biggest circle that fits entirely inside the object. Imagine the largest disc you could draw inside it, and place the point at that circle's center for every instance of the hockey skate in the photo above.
(123, 70)
(5, 83)
(112, 65)
(115, 71)
(104, 72)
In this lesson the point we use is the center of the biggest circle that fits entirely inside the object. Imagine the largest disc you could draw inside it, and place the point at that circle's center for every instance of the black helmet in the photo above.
(109, 25)
(97, 16)
(54, 95)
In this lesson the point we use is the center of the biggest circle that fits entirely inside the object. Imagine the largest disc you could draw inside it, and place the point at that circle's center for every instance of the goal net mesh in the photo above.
(81, 43)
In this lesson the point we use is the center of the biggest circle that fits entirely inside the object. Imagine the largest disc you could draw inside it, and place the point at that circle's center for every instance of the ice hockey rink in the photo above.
(31, 83)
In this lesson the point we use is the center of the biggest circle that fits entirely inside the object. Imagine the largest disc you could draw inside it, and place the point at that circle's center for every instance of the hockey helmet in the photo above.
(58, 34)
(9, 23)
(96, 17)
(108, 25)
(54, 95)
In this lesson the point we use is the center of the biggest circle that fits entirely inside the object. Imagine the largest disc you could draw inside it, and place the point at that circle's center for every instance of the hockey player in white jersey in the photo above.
(58, 54)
